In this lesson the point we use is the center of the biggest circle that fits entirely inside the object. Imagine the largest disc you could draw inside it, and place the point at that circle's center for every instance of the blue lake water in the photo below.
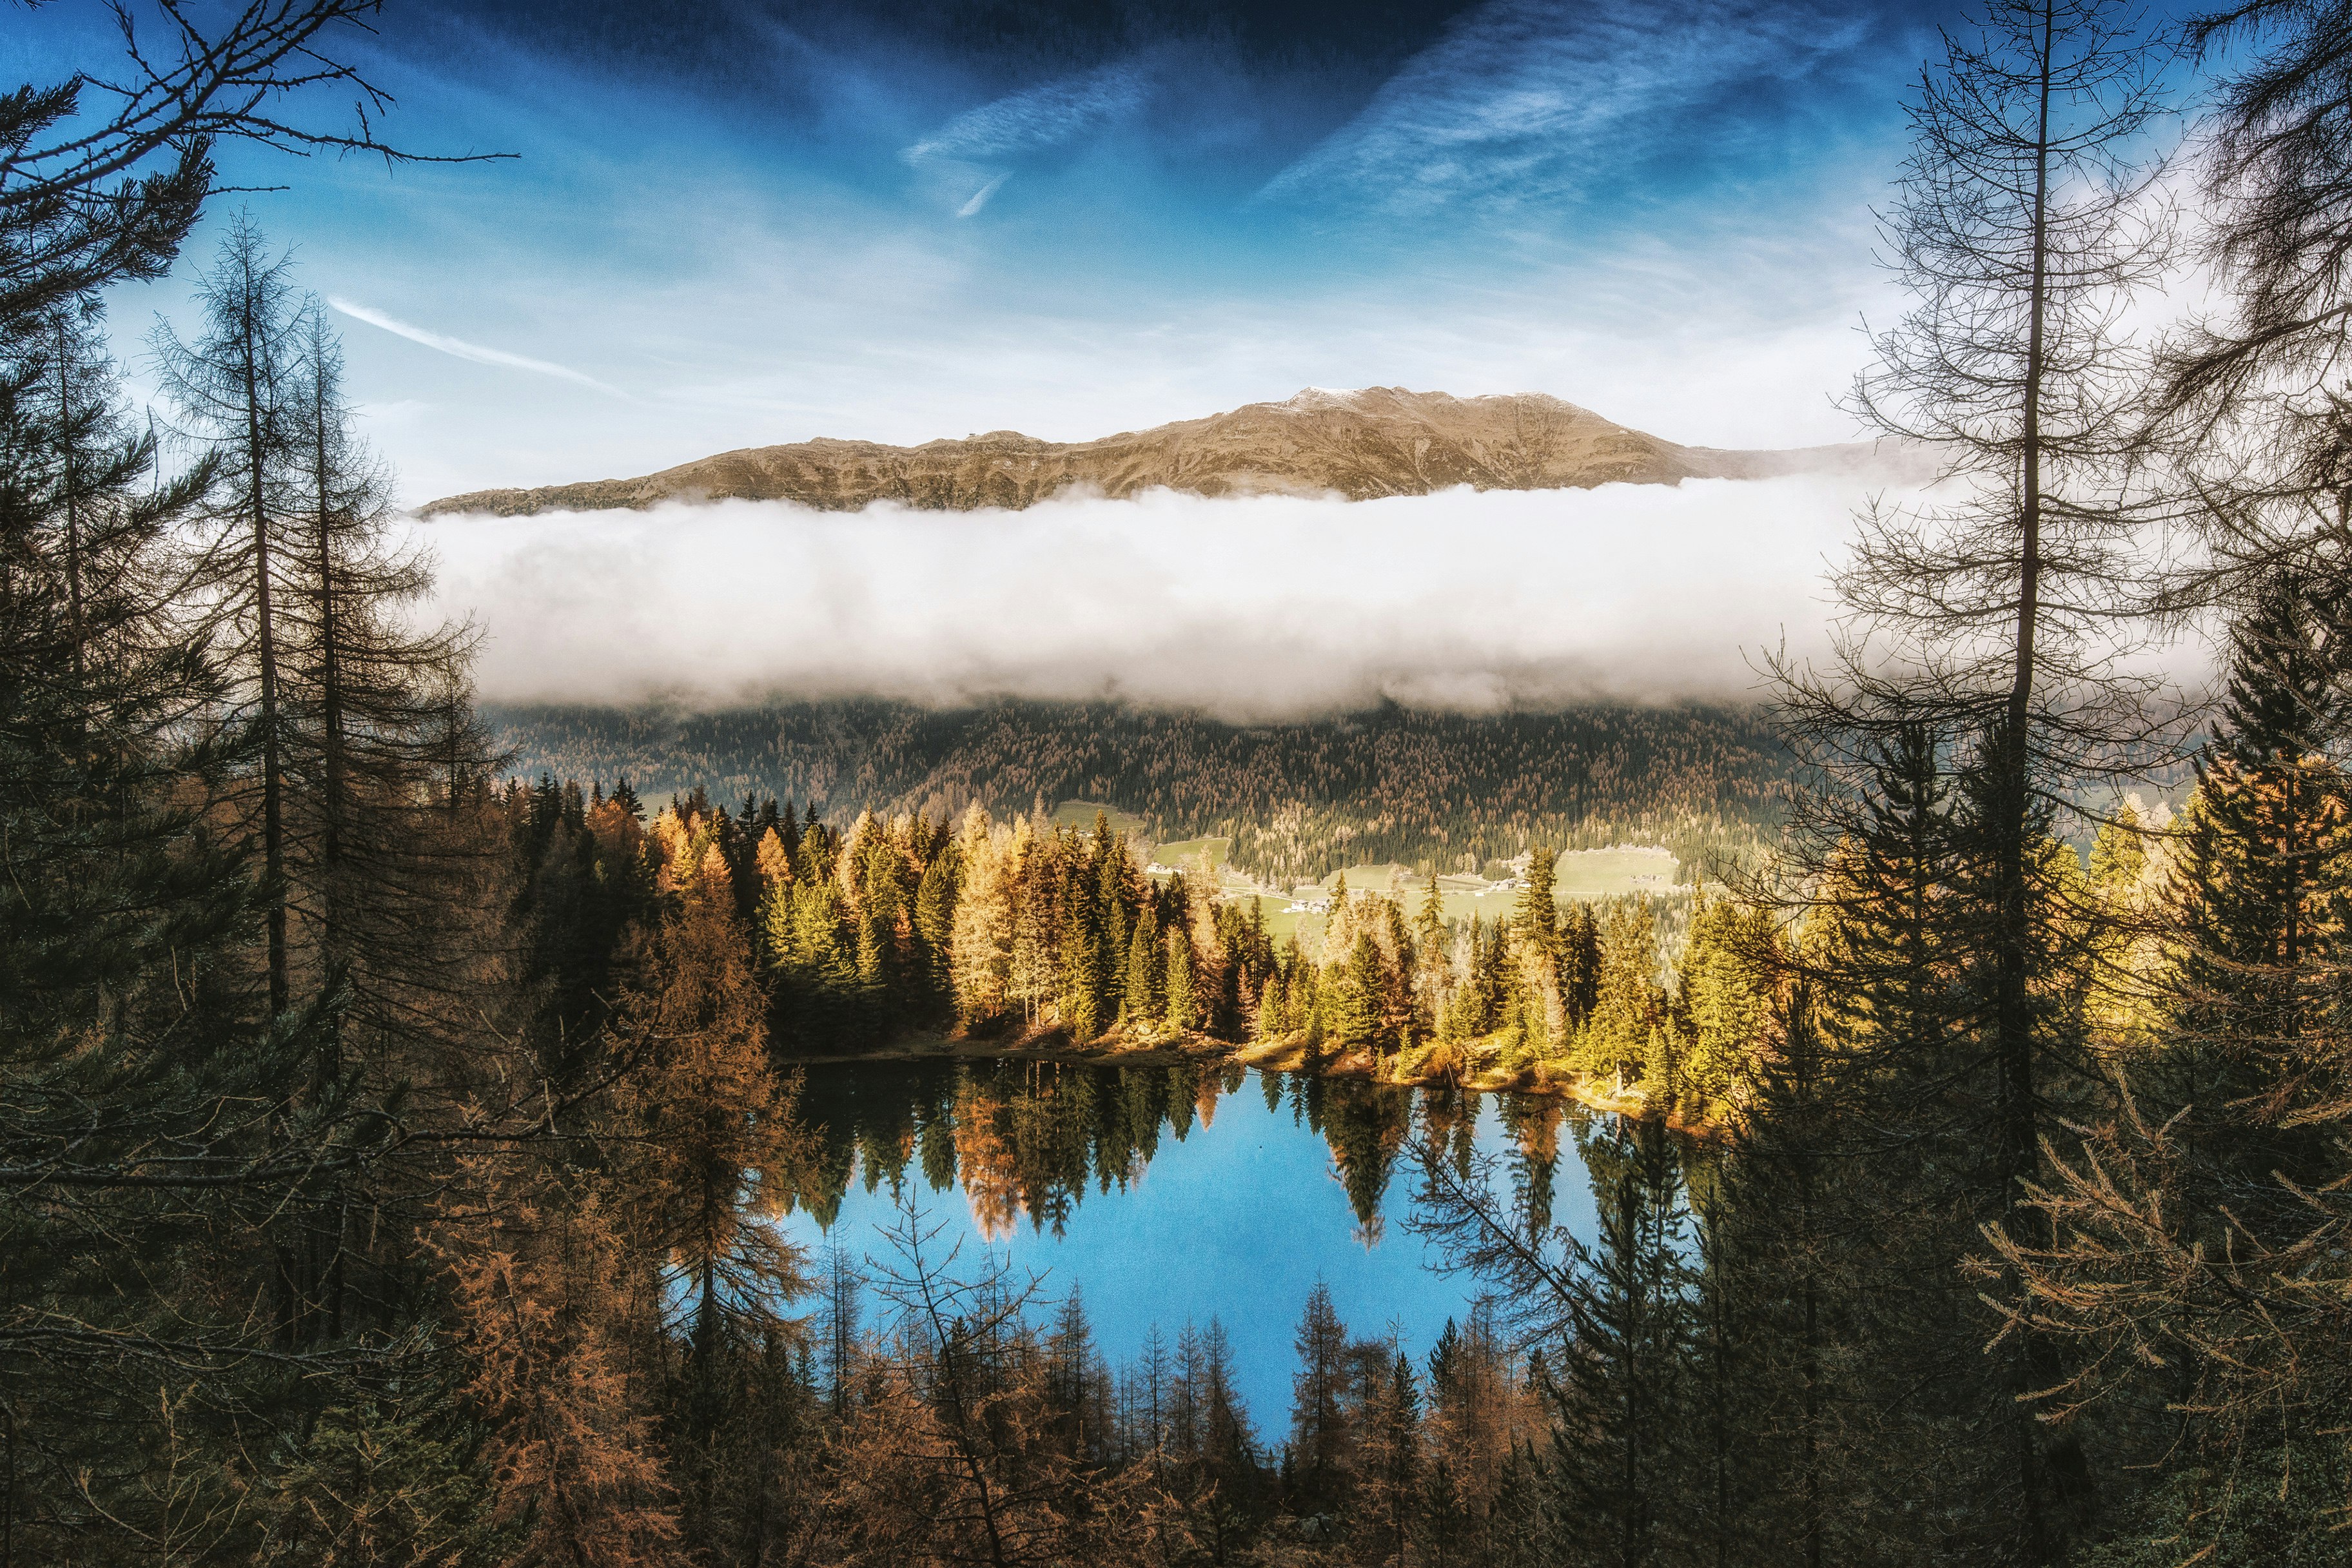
(1172, 1193)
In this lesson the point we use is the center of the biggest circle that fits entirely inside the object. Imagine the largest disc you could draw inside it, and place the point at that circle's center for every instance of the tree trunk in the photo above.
(273, 834)
(2013, 1005)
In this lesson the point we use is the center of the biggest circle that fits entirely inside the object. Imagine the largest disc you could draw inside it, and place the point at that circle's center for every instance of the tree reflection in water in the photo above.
(1028, 1139)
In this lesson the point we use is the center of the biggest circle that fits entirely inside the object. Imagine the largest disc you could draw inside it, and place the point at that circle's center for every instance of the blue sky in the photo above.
(739, 224)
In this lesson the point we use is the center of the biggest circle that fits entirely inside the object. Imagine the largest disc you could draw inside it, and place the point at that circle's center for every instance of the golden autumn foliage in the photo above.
(707, 1122)
(549, 1314)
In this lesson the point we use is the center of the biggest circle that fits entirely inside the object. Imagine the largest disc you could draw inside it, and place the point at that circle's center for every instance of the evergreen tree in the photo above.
(1392, 1464)
(1579, 964)
(1433, 974)
(1535, 937)
(1354, 1018)
(1082, 978)
(1726, 994)
(160, 1108)
(1616, 1400)
(1625, 1008)
(1182, 1012)
(1997, 614)
(1146, 998)
(2259, 902)
(1321, 1457)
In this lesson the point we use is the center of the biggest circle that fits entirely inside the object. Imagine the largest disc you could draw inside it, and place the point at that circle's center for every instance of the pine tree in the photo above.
(1355, 1016)
(1322, 1436)
(1625, 1005)
(1082, 978)
(1580, 964)
(935, 904)
(1433, 974)
(1182, 1013)
(1997, 613)
(1726, 995)
(1266, 1022)
(1392, 1464)
(1145, 998)
(1616, 1400)
(1536, 941)
(2260, 900)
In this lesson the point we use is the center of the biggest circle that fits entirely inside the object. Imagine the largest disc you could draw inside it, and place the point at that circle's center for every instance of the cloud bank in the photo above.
(1261, 608)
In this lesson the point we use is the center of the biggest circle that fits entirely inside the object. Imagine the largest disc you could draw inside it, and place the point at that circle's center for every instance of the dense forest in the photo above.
(1298, 800)
(1032, 932)
(392, 1149)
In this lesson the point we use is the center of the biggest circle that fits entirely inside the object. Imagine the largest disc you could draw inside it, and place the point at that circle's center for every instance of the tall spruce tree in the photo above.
(1615, 1399)
(2264, 872)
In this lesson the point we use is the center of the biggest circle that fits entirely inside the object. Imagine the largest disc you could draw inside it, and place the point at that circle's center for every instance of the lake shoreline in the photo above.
(1432, 1068)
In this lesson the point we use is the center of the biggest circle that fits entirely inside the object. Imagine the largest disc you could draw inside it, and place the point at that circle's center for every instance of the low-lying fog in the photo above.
(1261, 608)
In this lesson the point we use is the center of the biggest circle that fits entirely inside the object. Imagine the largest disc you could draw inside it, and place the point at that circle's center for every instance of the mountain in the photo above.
(1378, 441)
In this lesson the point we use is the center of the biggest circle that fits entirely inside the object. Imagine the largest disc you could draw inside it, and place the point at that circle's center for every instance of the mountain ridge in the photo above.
(1361, 444)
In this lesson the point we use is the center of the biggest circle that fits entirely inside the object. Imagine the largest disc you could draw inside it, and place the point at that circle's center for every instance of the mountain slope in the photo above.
(1379, 441)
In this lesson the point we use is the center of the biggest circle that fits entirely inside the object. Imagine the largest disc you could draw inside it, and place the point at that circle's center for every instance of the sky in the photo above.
(738, 222)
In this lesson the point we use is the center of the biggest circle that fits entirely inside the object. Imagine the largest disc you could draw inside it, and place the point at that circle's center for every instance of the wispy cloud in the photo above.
(979, 198)
(1527, 100)
(1038, 117)
(461, 349)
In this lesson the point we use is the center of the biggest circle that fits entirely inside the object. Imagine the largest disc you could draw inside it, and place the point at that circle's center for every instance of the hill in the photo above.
(1378, 441)
(1294, 802)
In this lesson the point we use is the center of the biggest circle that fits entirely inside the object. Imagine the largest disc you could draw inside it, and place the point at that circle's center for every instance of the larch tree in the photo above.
(2027, 218)
(148, 1106)
(234, 387)
(2249, 398)
(711, 1124)
(2195, 1253)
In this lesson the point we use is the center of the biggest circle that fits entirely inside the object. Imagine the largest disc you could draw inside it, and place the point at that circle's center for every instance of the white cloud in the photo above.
(461, 349)
(979, 198)
(1526, 100)
(1266, 608)
(1039, 117)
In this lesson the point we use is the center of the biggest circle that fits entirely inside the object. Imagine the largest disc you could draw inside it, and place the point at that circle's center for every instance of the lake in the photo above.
(1165, 1194)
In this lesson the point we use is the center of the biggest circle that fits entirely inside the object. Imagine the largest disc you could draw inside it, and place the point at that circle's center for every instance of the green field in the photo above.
(1582, 874)
(1370, 878)
(1186, 855)
(1081, 813)
(1591, 873)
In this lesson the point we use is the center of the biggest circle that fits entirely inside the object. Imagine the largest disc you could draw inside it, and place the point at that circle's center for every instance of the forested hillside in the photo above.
(1299, 801)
